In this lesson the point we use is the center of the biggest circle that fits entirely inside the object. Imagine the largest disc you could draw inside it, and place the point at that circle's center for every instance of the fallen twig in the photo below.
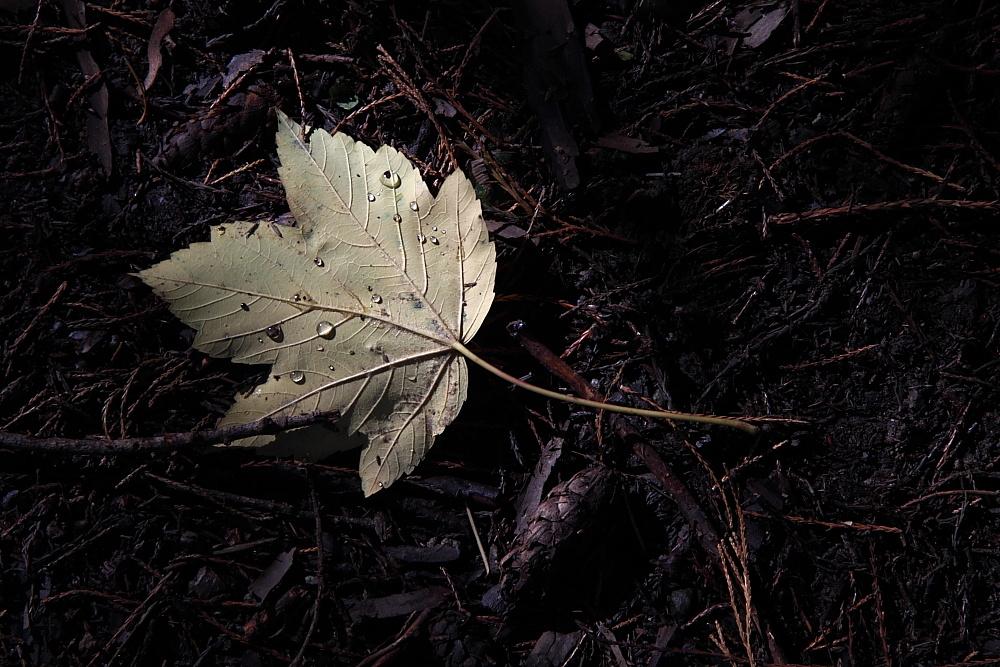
(161, 443)
(899, 205)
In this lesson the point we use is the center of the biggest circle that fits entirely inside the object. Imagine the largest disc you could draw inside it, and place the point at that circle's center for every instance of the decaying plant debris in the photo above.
(785, 211)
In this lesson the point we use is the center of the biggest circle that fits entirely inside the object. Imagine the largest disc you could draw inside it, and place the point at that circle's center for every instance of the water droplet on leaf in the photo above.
(390, 179)
(397, 218)
(421, 238)
(414, 206)
(371, 197)
(319, 348)
(434, 240)
(318, 261)
(331, 367)
(376, 298)
(434, 229)
(275, 333)
(245, 307)
(298, 377)
(326, 329)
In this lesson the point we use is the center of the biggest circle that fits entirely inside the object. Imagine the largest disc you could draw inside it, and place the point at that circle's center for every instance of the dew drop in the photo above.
(376, 298)
(414, 206)
(434, 240)
(319, 348)
(380, 485)
(298, 377)
(245, 307)
(275, 333)
(421, 238)
(225, 336)
(318, 261)
(390, 179)
(397, 218)
(371, 197)
(434, 229)
(325, 329)
(259, 339)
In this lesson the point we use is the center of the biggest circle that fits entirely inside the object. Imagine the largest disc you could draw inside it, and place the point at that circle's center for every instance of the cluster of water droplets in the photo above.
(326, 329)
(389, 179)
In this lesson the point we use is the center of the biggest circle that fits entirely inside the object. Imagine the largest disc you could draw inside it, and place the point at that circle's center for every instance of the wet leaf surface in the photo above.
(355, 309)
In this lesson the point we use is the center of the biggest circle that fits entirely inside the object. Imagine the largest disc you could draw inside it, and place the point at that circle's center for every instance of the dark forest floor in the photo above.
(785, 211)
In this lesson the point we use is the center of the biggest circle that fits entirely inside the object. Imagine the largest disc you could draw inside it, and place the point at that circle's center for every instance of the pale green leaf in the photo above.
(357, 308)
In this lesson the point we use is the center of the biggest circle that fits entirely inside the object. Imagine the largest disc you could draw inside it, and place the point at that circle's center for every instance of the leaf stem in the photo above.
(597, 405)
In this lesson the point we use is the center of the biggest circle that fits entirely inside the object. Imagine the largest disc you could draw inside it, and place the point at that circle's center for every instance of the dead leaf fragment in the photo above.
(262, 586)
(164, 24)
(763, 25)
(98, 132)
(757, 24)
(400, 604)
(626, 144)
(241, 63)
(592, 37)
(356, 309)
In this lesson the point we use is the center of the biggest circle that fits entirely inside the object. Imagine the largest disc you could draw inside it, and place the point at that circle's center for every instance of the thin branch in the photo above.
(164, 443)
(988, 207)
(314, 621)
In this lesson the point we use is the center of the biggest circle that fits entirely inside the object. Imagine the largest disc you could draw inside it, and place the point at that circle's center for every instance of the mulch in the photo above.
(782, 211)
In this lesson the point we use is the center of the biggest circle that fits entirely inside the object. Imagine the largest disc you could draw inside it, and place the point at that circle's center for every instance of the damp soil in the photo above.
(779, 211)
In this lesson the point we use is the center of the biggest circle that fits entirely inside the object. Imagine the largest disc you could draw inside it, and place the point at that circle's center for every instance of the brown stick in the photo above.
(899, 205)
(707, 533)
(164, 443)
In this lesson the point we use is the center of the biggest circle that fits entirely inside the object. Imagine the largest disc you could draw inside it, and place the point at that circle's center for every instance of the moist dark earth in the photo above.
(778, 211)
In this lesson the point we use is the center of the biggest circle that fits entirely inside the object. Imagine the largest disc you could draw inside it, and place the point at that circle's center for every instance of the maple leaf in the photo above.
(363, 307)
